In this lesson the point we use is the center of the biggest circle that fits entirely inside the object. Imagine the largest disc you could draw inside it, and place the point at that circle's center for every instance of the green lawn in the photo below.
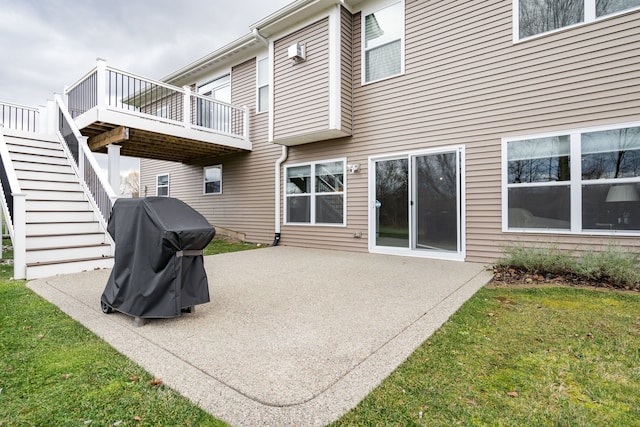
(520, 357)
(219, 246)
(509, 357)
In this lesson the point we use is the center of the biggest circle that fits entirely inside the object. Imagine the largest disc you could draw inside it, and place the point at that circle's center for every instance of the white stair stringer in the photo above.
(63, 233)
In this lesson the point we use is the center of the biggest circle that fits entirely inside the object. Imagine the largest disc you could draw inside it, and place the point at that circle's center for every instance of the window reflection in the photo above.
(539, 16)
(611, 154)
(606, 7)
(539, 160)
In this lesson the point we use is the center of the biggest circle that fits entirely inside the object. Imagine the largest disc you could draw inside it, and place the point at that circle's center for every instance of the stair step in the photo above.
(47, 241)
(47, 269)
(31, 175)
(57, 205)
(58, 216)
(63, 233)
(53, 151)
(39, 159)
(41, 167)
(44, 228)
(76, 195)
(61, 253)
(49, 141)
(46, 185)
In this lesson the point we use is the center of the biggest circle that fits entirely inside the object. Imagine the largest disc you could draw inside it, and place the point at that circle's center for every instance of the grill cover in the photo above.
(158, 268)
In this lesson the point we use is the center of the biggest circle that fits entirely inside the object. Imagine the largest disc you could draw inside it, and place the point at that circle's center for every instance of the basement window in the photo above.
(213, 180)
(162, 185)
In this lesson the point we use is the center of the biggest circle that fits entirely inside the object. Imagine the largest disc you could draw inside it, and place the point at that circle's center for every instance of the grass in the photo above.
(53, 371)
(219, 246)
(509, 357)
(515, 357)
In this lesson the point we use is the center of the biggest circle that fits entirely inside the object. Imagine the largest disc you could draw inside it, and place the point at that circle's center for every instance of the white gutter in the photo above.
(260, 37)
(279, 162)
(217, 55)
(281, 13)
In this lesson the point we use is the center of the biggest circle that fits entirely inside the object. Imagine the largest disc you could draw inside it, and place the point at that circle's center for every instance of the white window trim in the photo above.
(373, 8)
(168, 184)
(575, 184)
(461, 205)
(204, 180)
(258, 87)
(589, 17)
(203, 87)
(313, 195)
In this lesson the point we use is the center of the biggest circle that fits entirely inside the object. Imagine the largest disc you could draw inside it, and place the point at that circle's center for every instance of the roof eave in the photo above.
(206, 61)
(276, 22)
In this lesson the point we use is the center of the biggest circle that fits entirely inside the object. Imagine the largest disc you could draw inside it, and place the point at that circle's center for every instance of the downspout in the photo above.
(260, 37)
(279, 162)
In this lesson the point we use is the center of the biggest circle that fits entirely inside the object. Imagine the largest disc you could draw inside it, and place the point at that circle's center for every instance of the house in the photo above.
(409, 127)
(425, 128)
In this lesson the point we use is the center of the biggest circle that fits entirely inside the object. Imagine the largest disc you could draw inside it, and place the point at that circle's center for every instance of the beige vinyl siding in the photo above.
(246, 204)
(346, 70)
(174, 104)
(467, 83)
(301, 95)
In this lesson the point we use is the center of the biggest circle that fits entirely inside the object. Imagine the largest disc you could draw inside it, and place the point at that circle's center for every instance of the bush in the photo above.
(613, 266)
(538, 260)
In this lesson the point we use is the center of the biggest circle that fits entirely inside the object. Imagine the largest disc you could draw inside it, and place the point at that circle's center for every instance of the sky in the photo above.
(49, 44)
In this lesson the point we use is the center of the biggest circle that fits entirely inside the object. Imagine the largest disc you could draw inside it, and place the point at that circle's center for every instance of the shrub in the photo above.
(538, 260)
(614, 266)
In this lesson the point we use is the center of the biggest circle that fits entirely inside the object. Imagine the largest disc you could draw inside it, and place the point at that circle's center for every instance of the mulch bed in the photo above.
(509, 276)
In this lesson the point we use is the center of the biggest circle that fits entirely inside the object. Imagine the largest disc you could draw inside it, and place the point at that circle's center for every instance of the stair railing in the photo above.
(92, 178)
(13, 209)
(19, 117)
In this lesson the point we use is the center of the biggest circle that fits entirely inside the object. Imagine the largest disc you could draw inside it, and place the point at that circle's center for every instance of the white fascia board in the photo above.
(284, 18)
(240, 44)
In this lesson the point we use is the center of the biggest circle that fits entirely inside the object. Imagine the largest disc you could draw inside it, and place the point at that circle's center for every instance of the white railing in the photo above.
(14, 210)
(19, 117)
(110, 88)
(92, 178)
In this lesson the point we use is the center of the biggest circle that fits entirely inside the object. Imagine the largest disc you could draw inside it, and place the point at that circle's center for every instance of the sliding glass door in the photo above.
(416, 204)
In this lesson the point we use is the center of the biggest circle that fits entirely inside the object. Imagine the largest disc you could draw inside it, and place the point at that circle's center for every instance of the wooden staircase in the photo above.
(63, 233)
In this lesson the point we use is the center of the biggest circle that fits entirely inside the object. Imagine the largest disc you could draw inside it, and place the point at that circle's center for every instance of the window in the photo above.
(214, 115)
(213, 180)
(162, 185)
(533, 17)
(315, 193)
(580, 181)
(263, 85)
(383, 42)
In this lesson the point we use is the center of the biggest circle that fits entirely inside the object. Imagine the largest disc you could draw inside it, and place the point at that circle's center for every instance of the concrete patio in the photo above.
(291, 336)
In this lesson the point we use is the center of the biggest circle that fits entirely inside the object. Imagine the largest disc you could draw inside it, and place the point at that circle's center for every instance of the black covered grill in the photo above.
(159, 269)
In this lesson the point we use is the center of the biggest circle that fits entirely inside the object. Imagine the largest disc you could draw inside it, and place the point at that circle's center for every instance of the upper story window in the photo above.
(213, 179)
(582, 181)
(162, 185)
(262, 82)
(542, 16)
(315, 193)
(211, 114)
(383, 42)
(219, 89)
